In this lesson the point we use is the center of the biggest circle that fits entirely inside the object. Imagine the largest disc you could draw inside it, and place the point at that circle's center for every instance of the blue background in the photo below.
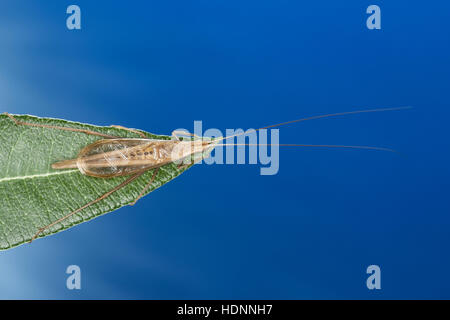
(224, 231)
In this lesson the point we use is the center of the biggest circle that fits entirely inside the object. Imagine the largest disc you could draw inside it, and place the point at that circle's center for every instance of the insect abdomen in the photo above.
(118, 157)
(65, 164)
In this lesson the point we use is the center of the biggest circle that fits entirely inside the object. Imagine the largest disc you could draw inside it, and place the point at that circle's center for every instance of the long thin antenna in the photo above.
(308, 145)
(316, 117)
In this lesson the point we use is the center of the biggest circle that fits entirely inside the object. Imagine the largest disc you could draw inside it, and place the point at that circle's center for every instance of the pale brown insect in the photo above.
(115, 156)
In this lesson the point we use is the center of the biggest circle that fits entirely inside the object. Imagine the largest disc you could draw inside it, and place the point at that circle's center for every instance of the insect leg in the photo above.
(176, 134)
(105, 195)
(18, 122)
(195, 159)
(131, 130)
(155, 172)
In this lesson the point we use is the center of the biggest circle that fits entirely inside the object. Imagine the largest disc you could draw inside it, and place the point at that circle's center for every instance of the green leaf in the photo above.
(33, 195)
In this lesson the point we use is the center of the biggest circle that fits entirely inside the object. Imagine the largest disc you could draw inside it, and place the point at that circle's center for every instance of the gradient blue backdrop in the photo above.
(225, 231)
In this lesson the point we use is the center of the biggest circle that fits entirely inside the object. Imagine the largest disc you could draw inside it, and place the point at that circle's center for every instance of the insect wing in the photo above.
(115, 157)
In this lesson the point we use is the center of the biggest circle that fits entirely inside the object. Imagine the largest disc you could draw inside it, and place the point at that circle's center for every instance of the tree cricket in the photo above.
(114, 156)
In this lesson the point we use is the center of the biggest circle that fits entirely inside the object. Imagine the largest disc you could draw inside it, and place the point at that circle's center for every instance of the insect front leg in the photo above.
(90, 132)
(176, 134)
(196, 158)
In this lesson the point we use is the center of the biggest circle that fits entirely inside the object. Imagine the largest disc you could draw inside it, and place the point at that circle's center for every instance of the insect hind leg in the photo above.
(86, 131)
(105, 195)
(155, 172)
(131, 130)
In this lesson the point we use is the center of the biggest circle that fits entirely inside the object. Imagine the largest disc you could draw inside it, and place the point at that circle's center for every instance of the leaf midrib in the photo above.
(39, 175)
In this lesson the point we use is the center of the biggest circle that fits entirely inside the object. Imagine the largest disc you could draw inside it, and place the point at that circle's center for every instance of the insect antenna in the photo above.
(308, 145)
(314, 117)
